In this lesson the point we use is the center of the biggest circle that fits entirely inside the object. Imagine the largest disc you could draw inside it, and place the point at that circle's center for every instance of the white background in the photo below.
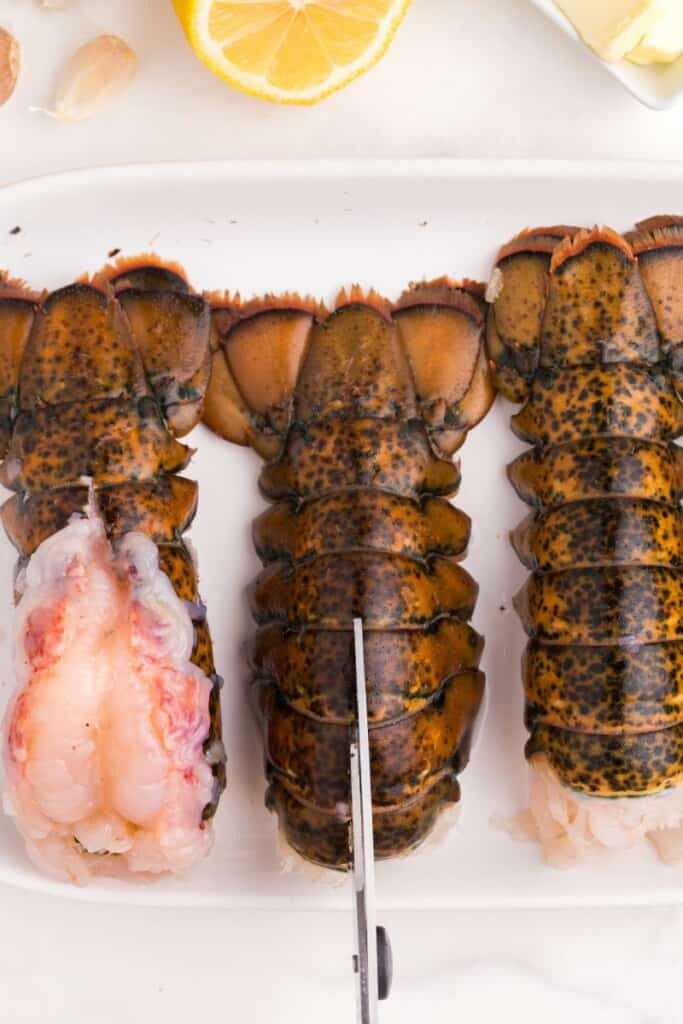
(464, 78)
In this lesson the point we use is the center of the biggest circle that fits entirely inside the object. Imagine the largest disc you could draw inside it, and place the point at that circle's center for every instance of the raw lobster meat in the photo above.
(114, 759)
(357, 414)
(586, 330)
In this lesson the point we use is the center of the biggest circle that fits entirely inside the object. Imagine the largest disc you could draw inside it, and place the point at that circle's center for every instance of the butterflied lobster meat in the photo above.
(586, 331)
(113, 753)
(357, 414)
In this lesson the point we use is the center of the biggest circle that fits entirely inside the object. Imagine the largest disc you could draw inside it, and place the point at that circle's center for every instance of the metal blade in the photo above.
(363, 848)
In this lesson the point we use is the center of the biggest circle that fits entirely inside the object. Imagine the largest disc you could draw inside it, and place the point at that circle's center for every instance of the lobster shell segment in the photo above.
(315, 670)
(597, 467)
(356, 414)
(599, 533)
(619, 399)
(383, 590)
(161, 507)
(607, 689)
(387, 454)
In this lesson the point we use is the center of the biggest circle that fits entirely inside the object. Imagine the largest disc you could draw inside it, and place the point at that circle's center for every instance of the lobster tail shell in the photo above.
(354, 412)
(96, 388)
(597, 316)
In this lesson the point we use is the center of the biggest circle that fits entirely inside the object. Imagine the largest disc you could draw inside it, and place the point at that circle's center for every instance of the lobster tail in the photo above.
(354, 412)
(100, 379)
(604, 604)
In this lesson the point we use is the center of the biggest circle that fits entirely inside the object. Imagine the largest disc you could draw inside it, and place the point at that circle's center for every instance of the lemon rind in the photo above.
(211, 54)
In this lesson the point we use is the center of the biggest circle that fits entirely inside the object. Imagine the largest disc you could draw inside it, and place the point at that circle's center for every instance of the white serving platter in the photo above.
(317, 226)
(656, 85)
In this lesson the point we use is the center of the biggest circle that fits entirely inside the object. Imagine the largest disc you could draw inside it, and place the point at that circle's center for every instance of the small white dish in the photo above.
(656, 85)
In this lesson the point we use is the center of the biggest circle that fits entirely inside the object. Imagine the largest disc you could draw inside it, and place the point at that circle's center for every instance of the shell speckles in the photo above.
(633, 604)
(605, 689)
(354, 519)
(598, 467)
(334, 454)
(622, 399)
(368, 401)
(315, 670)
(111, 440)
(596, 368)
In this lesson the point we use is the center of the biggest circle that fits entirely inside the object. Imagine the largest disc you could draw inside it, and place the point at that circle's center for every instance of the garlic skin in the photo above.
(9, 65)
(96, 73)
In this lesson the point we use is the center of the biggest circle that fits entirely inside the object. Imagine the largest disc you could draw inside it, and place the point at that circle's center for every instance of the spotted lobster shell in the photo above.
(357, 414)
(98, 380)
(585, 330)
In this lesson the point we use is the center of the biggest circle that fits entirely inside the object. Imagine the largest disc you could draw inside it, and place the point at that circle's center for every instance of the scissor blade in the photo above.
(363, 847)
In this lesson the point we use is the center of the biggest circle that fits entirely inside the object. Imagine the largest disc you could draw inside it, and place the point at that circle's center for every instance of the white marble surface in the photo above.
(62, 962)
(464, 78)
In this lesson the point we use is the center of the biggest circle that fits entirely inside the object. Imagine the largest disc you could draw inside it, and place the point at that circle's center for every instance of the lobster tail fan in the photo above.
(146, 272)
(258, 347)
(282, 303)
(171, 326)
(517, 293)
(613, 323)
(357, 296)
(465, 295)
(225, 411)
(355, 365)
(574, 245)
(657, 232)
(542, 240)
(441, 325)
(658, 245)
(15, 288)
(60, 364)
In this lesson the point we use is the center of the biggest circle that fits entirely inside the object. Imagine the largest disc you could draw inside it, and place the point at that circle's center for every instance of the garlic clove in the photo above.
(95, 75)
(9, 65)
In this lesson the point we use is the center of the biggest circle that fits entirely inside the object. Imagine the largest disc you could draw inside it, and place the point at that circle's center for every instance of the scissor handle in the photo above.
(385, 964)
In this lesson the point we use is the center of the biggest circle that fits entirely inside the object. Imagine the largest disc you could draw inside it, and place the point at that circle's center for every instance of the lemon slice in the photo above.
(290, 51)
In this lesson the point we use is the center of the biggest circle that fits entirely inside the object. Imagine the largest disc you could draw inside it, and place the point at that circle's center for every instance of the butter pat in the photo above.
(664, 42)
(612, 28)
